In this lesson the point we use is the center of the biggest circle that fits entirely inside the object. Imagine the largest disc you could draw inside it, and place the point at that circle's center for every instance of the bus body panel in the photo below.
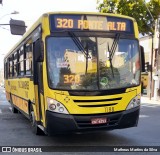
(93, 104)
(20, 90)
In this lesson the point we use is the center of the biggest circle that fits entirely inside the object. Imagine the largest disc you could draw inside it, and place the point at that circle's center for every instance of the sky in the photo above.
(30, 11)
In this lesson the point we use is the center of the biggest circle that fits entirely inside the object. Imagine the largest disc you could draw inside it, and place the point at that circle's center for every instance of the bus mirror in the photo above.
(142, 59)
(17, 27)
(39, 51)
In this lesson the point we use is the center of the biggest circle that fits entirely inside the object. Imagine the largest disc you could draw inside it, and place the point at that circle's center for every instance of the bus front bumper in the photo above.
(62, 123)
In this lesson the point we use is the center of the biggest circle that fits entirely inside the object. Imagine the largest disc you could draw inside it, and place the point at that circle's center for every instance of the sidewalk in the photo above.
(146, 99)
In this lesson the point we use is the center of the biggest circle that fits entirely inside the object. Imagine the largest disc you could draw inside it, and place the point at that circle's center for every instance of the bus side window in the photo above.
(28, 59)
(18, 63)
(21, 62)
(15, 64)
(5, 69)
(10, 66)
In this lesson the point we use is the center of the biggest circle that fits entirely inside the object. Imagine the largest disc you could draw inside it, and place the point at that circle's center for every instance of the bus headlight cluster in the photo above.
(135, 102)
(55, 106)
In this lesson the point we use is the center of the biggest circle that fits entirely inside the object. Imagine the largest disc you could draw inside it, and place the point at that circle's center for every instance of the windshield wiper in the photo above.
(112, 50)
(80, 46)
(78, 43)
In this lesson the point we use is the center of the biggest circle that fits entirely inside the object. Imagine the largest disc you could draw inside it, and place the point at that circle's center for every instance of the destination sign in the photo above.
(90, 22)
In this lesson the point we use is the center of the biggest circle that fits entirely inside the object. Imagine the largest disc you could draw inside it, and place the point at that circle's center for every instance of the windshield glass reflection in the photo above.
(95, 66)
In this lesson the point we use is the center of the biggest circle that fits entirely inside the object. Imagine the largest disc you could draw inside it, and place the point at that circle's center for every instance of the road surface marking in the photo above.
(143, 116)
(150, 105)
(10, 108)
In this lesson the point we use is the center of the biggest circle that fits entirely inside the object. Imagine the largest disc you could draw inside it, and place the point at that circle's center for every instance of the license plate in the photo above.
(98, 120)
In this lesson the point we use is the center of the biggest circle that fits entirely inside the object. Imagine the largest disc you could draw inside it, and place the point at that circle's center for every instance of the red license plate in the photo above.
(98, 120)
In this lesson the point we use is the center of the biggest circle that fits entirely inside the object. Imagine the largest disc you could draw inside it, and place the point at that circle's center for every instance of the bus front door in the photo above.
(40, 90)
(38, 81)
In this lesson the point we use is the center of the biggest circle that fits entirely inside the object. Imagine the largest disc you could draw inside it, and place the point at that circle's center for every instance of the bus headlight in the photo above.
(135, 102)
(55, 106)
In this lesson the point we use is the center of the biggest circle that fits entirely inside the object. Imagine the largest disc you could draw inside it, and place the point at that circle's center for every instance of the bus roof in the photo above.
(39, 21)
(90, 13)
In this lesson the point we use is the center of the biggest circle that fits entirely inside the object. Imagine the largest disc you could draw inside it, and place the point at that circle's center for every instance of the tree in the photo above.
(136, 9)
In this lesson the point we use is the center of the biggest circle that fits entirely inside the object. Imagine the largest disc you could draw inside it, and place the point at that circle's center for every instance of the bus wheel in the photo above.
(36, 130)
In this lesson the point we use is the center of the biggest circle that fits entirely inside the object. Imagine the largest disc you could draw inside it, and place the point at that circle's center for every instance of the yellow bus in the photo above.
(76, 72)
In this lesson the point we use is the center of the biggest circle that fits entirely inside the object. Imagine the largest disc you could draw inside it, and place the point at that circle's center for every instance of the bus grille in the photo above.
(98, 102)
(85, 121)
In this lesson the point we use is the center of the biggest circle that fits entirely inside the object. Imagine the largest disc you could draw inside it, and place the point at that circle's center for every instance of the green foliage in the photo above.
(136, 9)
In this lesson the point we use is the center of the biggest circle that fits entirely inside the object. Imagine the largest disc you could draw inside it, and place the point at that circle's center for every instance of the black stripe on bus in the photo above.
(97, 93)
(98, 105)
(100, 100)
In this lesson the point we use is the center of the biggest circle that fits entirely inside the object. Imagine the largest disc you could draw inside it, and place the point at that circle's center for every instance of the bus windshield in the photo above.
(101, 63)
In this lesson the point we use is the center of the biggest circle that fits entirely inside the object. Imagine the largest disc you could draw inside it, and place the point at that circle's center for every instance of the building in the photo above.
(156, 76)
(152, 59)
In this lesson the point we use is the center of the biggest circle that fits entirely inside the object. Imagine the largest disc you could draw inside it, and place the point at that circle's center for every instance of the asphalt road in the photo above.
(15, 130)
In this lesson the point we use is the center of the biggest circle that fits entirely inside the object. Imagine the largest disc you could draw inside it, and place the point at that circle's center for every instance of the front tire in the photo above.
(35, 129)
